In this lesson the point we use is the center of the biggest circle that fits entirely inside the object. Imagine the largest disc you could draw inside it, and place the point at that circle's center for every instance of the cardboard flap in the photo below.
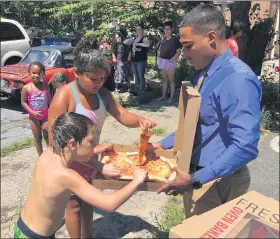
(189, 105)
(187, 93)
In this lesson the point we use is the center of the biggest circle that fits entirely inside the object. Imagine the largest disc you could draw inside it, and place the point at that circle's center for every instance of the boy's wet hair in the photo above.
(40, 65)
(87, 57)
(60, 77)
(69, 126)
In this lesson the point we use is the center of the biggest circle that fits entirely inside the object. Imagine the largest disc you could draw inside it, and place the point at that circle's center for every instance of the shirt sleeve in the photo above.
(168, 142)
(239, 101)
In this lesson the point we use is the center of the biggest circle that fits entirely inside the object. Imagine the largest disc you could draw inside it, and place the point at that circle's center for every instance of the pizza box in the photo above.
(252, 215)
(184, 136)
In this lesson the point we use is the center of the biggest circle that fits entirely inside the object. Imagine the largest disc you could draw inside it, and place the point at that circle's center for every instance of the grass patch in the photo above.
(158, 131)
(23, 144)
(173, 214)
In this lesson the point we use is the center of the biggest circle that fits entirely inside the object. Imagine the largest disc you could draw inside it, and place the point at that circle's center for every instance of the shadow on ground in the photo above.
(10, 104)
(117, 225)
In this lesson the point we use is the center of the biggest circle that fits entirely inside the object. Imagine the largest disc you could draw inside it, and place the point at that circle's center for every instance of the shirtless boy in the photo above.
(53, 182)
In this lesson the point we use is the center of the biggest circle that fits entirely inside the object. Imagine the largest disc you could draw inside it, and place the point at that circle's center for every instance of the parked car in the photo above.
(55, 59)
(14, 42)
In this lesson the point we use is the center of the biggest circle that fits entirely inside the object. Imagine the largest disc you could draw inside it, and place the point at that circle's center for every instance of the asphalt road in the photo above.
(14, 122)
(264, 170)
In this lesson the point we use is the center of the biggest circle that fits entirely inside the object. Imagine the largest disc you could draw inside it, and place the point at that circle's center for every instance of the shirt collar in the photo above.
(218, 62)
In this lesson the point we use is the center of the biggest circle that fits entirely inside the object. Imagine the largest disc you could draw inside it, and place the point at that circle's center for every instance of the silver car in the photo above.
(14, 42)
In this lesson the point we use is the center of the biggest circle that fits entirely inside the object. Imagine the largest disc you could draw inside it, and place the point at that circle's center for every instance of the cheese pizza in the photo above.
(158, 167)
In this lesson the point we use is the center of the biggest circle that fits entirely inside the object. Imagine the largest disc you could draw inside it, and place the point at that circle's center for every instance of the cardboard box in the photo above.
(245, 217)
(189, 104)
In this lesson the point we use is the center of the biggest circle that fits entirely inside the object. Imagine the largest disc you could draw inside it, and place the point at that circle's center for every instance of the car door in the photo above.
(13, 42)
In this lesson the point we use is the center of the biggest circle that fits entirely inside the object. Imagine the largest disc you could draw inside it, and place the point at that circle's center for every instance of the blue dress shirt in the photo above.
(228, 128)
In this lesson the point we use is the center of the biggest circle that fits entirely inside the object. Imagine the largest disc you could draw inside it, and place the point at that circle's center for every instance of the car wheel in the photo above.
(12, 60)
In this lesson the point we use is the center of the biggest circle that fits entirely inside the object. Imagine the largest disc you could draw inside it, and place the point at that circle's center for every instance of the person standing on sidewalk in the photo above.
(123, 69)
(139, 56)
(168, 54)
(228, 128)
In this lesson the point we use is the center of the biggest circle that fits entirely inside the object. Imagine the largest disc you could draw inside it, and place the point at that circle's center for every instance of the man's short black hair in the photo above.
(168, 23)
(141, 25)
(203, 18)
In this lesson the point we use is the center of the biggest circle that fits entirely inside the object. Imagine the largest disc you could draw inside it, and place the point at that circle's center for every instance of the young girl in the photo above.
(35, 98)
(168, 54)
(53, 181)
(87, 96)
(58, 80)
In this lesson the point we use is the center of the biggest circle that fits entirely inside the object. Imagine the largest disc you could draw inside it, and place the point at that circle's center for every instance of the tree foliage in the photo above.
(92, 17)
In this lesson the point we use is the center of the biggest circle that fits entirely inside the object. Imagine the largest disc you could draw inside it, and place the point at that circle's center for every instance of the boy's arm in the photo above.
(91, 195)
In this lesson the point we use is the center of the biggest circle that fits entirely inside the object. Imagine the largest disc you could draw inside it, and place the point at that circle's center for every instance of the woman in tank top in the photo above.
(87, 96)
(139, 55)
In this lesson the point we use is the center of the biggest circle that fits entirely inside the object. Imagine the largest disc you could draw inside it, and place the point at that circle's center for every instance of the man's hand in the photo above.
(103, 147)
(153, 146)
(146, 124)
(110, 171)
(179, 185)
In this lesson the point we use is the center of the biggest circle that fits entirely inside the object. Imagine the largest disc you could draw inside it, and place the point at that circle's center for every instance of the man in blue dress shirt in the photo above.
(228, 128)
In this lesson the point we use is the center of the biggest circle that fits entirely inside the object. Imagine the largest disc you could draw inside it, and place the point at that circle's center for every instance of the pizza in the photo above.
(159, 168)
(143, 144)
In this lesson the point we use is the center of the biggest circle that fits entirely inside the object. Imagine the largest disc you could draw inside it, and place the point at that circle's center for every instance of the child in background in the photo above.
(58, 80)
(35, 98)
(53, 180)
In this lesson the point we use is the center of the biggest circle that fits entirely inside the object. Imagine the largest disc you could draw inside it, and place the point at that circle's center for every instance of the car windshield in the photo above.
(46, 57)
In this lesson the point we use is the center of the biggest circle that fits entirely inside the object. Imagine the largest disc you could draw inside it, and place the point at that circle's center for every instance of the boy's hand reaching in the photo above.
(110, 171)
(140, 175)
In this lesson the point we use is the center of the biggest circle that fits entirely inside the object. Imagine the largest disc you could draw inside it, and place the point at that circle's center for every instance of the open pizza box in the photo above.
(189, 104)
(252, 215)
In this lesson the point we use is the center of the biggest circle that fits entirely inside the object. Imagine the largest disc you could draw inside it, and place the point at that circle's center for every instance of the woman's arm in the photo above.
(128, 41)
(126, 118)
(146, 43)
(59, 106)
(176, 56)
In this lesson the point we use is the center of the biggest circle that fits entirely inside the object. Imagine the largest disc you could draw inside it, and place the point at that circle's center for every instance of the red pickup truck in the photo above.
(55, 59)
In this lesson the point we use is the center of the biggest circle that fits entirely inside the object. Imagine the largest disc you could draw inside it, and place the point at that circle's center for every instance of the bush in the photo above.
(184, 72)
(270, 98)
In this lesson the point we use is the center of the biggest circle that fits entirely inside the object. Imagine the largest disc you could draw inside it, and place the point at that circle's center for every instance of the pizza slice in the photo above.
(121, 161)
(143, 144)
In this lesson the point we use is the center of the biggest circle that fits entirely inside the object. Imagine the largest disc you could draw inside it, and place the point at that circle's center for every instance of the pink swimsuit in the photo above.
(38, 101)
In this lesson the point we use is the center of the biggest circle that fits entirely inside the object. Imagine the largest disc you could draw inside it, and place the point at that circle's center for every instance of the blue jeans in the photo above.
(139, 71)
